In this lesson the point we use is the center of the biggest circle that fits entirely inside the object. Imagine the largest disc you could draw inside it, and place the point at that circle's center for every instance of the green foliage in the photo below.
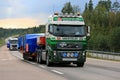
(86, 7)
(67, 8)
(106, 4)
(114, 38)
(105, 26)
(90, 5)
(99, 39)
(2, 41)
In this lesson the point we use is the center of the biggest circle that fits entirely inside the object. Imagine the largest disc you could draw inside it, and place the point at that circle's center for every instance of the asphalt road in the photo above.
(13, 68)
(94, 69)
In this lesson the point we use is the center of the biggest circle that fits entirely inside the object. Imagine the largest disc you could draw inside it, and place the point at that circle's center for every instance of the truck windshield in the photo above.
(14, 41)
(65, 30)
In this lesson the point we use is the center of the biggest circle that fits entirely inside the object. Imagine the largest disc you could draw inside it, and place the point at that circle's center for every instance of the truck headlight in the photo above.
(54, 52)
(84, 53)
(68, 54)
(72, 54)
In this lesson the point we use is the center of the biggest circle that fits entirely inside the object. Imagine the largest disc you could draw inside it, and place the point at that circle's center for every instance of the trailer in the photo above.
(30, 46)
(20, 44)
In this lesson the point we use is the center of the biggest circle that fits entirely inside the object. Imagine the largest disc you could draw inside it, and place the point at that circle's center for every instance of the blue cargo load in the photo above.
(20, 42)
(31, 40)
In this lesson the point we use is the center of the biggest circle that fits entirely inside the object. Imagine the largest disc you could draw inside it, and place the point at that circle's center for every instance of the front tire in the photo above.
(48, 63)
(24, 57)
(80, 64)
(40, 59)
(37, 58)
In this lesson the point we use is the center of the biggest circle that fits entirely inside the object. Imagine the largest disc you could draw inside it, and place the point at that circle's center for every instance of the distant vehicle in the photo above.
(12, 43)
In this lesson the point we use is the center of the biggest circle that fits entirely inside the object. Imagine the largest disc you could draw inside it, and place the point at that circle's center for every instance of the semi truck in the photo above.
(65, 40)
(12, 43)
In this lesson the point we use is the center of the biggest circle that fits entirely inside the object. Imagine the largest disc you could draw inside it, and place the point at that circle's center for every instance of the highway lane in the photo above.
(13, 68)
(94, 69)
(91, 71)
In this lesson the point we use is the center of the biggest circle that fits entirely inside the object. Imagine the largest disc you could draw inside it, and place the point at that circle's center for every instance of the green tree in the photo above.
(112, 19)
(106, 4)
(114, 40)
(67, 8)
(90, 5)
(117, 21)
(105, 25)
(86, 7)
(101, 16)
(116, 6)
(109, 5)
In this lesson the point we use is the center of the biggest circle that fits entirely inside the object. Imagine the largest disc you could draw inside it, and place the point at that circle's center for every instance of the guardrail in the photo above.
(103, 55)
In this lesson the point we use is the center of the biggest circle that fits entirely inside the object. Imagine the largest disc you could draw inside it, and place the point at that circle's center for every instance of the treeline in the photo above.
(104, 20)
(4, 33)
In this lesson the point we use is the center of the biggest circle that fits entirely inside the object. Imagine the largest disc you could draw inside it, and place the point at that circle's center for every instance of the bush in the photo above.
(114, 41)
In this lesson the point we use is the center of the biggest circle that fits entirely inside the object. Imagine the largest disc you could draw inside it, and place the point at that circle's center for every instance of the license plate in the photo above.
(69, 59)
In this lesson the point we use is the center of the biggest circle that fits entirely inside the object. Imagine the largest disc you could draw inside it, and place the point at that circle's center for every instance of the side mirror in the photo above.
(88, 31)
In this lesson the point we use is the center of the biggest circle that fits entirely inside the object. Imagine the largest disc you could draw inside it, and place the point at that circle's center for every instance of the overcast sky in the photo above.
(29, 13)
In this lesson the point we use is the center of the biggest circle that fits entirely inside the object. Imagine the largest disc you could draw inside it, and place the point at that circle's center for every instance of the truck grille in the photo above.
(14, 45)
(69, 46)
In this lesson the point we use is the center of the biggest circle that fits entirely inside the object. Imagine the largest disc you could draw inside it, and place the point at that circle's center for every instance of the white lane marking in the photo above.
(4, 59)
(42, 66)
(57, 72)
(30, 62)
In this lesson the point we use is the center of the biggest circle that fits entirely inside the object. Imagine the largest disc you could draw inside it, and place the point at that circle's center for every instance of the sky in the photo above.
(30, 13)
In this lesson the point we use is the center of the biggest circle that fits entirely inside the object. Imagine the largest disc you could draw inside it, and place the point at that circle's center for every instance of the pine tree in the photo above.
(86, 6)
(67, 8)
(90, 5)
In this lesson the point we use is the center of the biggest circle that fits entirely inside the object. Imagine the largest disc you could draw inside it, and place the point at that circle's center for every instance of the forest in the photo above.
(104, 20)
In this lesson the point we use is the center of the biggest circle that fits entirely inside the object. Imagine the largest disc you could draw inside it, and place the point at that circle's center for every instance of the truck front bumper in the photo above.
(68, 57)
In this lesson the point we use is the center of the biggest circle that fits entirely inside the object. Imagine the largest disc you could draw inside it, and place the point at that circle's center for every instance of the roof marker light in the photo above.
(56, 13)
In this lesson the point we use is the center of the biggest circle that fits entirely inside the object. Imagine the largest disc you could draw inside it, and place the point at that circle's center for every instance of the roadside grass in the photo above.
(2, 42)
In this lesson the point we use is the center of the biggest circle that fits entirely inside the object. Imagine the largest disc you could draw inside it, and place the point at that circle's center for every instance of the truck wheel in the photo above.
(24, 56)
(48, 63)
(37, 57)
(40, 59)
(10, 49)
(80, 64)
